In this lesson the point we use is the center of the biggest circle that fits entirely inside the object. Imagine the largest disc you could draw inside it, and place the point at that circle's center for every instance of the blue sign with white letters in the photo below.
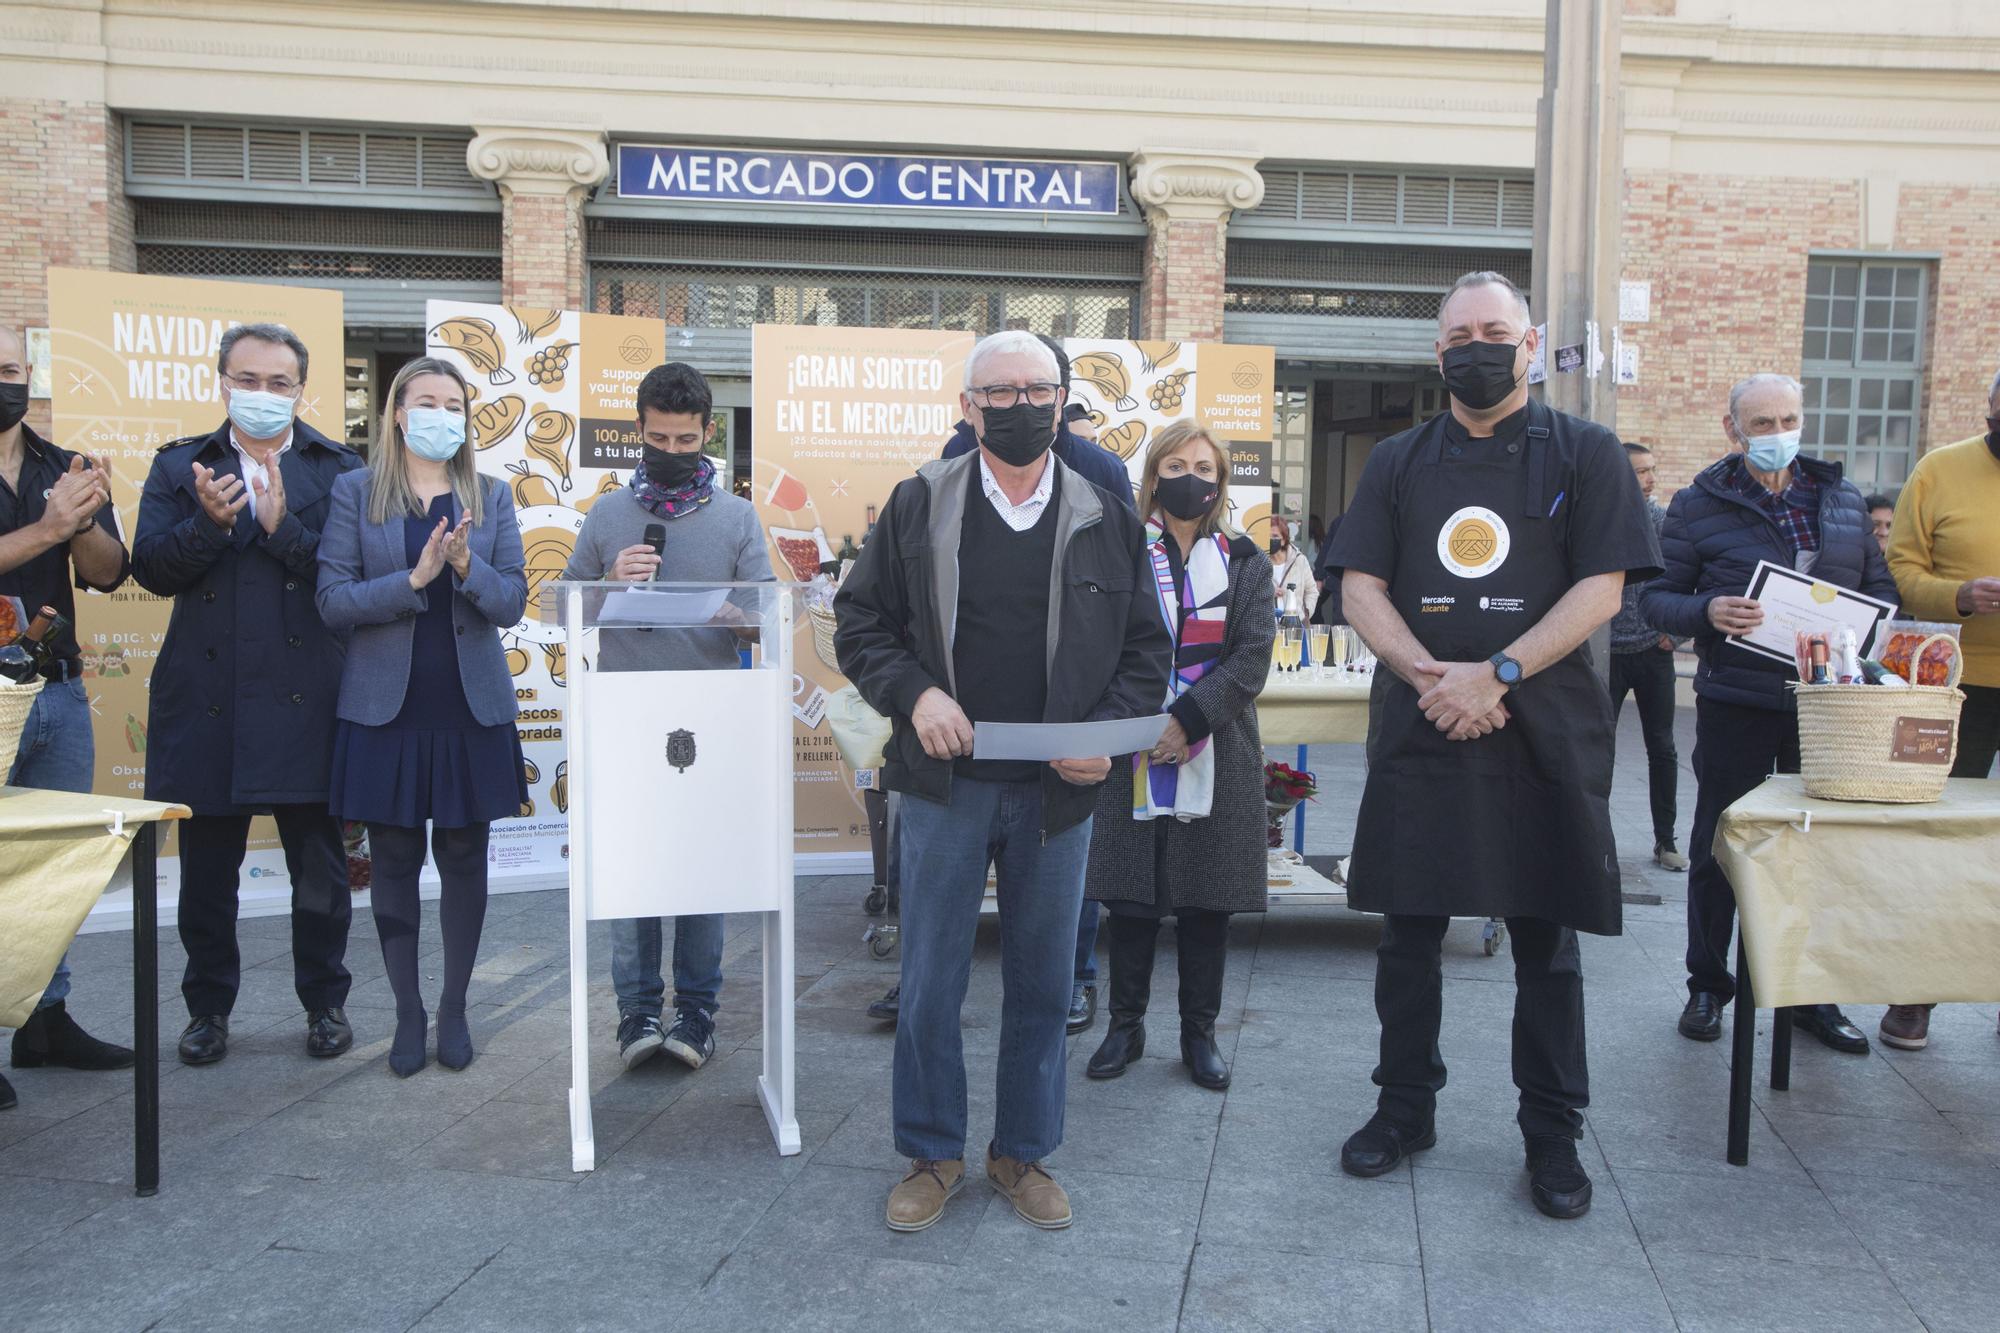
(851, 180)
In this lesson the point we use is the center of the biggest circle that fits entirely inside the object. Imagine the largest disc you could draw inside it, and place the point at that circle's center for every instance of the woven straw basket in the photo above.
(1867, 743)
(822, 623)
(15, 701)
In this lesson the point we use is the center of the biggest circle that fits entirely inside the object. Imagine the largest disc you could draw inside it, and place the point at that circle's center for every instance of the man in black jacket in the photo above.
(999, 587)
(1763, 501)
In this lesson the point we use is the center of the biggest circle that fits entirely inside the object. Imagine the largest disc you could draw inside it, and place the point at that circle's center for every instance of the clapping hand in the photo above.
(76, 497)
(220, 500)
(431, 560)
(270, 499)
(458, 548)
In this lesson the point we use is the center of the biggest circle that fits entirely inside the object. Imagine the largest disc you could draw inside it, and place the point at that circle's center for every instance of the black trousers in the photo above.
(1549, 1063)
(212, 849)
(1649, 676)
(1978, 731)
(1735, 749)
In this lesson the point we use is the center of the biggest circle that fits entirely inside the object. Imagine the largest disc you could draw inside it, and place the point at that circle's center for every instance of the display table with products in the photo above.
(1846, 902)
(59, 851)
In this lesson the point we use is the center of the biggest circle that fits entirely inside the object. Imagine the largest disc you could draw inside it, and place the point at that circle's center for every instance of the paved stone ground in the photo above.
(329, 1195)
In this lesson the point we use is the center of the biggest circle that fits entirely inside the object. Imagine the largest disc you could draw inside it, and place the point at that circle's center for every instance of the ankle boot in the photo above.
(1202, 939)
(1132, 941)
(52, 1037)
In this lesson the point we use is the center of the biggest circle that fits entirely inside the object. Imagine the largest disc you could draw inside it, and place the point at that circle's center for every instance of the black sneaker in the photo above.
(1556, 1178)
(691, 1040)
(886, 1009)
(1082, 1007)
(639, 1039)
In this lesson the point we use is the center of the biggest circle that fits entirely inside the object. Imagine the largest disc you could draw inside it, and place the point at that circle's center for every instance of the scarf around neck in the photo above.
(1195, 614)
(675, 502)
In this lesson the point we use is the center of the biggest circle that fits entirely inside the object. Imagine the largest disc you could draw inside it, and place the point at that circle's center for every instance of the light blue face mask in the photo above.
(1771, 453)
(260, 415)
(433, 433)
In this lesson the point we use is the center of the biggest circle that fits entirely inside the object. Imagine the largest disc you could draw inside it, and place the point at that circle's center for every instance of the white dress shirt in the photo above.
(254, 471)
(1020, 517)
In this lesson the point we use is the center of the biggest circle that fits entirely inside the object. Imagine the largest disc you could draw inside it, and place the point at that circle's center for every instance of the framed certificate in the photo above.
(1796, 603)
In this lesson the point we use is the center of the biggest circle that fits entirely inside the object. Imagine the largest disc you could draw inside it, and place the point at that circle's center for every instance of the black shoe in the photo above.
(1203, 1059)
(1701, 1020)
(205, 1039)
(888, 1007)
(1379, 1145)
(691, 1040)
(1556, 1178)
(639, 1039)
(1124, 1042)
(1082, 1007)
(327, 1032)
(7, 1098)
(454, 1039)
(1826, 1022)
(407, 1052)
(51, 1037)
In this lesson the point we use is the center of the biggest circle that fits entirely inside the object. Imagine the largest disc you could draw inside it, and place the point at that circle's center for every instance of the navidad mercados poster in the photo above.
(134, 368)
(843, 414)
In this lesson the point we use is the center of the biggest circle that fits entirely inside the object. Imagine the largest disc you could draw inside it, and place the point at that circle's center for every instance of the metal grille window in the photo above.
(1298, 197)
(327, 244)
(279, 158)
(1268, 277)
(1863, 366)
(729, 277)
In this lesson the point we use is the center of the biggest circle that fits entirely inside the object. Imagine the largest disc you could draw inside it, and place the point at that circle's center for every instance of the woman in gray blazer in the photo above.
(421, 565)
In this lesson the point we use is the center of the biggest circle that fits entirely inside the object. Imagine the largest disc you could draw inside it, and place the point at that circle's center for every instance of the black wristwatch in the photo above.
(1506, 669)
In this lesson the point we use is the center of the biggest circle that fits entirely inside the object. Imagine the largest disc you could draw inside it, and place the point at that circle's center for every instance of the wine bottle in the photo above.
(1874, 673)
(34, 654)
(847, 551)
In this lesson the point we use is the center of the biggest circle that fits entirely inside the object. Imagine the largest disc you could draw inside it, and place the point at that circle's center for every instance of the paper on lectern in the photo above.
(643, 606)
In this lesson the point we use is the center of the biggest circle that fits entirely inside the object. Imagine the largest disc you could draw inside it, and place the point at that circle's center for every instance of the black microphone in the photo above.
(656, 537)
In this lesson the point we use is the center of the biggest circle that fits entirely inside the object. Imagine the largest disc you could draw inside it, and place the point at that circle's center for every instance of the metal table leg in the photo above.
(1781, 1049)
(1743, 1050)
(146, 1011)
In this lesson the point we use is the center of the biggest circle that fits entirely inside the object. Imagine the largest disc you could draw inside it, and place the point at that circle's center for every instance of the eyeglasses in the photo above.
(1040, 394)
(277, 384)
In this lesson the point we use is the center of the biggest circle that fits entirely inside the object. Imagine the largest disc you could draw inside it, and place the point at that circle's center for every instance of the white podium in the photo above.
(680, 788)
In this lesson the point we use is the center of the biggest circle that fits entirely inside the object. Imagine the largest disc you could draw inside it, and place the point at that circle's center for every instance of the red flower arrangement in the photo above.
(1285, 786)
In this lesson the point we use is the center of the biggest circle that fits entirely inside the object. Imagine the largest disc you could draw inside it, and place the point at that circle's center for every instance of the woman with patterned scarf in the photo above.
(1180, 830)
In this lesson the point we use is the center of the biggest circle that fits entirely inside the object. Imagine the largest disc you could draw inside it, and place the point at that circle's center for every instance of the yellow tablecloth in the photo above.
(57, 852)
(1870, 904)
(1295, 709)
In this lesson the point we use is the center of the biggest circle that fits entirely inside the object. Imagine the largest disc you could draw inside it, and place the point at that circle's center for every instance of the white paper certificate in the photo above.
(1065, 740)
(1796, 603)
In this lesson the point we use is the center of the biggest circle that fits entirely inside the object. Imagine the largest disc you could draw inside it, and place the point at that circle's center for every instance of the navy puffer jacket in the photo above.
(1711, 543)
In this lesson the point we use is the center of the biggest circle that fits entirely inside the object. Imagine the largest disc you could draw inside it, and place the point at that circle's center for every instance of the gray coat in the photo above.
(364, 587)
(1217, 864)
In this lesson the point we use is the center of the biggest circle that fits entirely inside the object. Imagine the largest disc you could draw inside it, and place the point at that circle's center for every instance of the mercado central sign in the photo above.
(757, 176)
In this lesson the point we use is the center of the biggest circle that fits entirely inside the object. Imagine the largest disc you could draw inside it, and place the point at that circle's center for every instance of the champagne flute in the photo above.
(1319, 635)
(1343, 647)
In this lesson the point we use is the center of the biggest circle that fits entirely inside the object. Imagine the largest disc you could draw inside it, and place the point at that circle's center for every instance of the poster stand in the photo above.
(680, 793)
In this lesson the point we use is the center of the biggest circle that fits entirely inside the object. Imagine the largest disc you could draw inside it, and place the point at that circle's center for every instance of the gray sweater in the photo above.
(721, 542)
(1629, 631)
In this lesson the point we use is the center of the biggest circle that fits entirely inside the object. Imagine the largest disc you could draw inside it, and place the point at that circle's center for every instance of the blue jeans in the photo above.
(1040, 887)
(56, 754)
(635, 964)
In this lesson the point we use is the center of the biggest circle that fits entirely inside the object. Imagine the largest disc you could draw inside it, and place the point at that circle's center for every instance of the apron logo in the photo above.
(1473, 542)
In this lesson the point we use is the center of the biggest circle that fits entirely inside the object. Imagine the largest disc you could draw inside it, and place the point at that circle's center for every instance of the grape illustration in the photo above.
(548, 367)
(1167, 393)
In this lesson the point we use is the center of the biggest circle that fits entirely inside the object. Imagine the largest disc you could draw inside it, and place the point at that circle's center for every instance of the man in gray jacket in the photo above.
(707, 536)
(1642, 663)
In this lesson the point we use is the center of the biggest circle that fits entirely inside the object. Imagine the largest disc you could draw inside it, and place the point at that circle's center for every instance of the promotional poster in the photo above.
(134, 368)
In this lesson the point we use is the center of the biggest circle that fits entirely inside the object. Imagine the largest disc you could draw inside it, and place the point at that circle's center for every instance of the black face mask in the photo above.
(13, 405)
(1480, 375)
(1020, 434)
(671, 470)
(1188, 496)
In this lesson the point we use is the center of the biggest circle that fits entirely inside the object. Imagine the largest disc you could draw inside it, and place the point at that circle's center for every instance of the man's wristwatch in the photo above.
(1506, 670)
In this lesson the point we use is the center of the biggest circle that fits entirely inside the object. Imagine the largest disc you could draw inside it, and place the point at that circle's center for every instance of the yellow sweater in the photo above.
(1947, 531)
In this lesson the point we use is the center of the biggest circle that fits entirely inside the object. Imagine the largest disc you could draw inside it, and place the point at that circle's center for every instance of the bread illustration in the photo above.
(549, 433)
(1106, 371)
(495, 421)
(531, 488)
(1124, 440)
(479, 343)
(534, 323)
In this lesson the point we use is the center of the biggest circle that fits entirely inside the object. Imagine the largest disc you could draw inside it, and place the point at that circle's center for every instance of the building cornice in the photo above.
(1195, 184)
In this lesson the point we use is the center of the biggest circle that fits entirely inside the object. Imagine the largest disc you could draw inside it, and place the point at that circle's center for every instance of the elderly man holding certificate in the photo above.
(1764, 504)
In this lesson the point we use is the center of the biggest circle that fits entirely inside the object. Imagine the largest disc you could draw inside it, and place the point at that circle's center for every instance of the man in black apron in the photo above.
(1481, 551)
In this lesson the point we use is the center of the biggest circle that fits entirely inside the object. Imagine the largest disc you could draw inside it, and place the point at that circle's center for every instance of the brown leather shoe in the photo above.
(1032, 1190)
(919, 1199)
(1907, 1027)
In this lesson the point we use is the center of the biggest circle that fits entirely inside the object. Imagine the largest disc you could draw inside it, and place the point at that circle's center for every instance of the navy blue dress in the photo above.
(433, 761)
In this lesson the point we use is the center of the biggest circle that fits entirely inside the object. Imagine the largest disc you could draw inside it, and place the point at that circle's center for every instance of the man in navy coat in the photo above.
(240, 720)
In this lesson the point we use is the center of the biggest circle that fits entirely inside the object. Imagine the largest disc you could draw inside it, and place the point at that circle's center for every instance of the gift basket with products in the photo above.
(25, 646)
(1881, 728)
